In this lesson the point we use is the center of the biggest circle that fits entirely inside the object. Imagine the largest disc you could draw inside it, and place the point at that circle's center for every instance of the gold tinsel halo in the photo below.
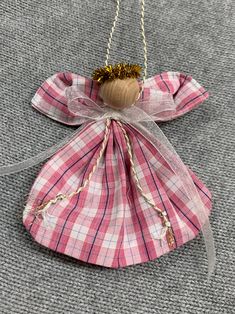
(117, 71)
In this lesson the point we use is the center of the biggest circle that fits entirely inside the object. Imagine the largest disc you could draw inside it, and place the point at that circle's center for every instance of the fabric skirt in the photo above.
(109, 223)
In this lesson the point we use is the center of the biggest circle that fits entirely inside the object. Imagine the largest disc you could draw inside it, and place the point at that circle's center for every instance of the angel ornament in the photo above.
(117, 193)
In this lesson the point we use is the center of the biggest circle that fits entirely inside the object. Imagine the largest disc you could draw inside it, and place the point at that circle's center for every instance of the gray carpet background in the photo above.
(39, 38)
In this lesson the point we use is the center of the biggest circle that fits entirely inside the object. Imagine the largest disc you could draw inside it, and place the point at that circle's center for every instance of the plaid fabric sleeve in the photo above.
(50, 98)
(186, 91)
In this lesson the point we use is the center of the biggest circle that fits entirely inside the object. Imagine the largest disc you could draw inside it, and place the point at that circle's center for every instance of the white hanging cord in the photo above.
(142, 33)
(144, 40)
(112, 31)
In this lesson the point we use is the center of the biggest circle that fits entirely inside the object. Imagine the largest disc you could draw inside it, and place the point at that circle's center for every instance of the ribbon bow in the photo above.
(157, 106)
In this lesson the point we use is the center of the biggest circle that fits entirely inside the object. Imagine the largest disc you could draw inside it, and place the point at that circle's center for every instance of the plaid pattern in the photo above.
(109, 223)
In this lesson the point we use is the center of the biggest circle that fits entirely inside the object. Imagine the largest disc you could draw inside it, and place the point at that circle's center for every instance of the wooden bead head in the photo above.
(119, 94)
(119, 86)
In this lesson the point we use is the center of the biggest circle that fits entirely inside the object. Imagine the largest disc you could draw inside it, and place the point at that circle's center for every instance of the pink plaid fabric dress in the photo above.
(109, 223)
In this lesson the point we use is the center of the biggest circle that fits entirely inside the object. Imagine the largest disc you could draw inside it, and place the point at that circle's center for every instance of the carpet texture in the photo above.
(39, 38)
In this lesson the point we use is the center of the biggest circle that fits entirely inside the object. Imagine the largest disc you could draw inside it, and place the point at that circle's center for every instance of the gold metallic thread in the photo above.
(117, 71)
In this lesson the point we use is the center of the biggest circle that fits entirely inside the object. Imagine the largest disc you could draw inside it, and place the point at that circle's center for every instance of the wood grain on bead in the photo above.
(119, 94)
